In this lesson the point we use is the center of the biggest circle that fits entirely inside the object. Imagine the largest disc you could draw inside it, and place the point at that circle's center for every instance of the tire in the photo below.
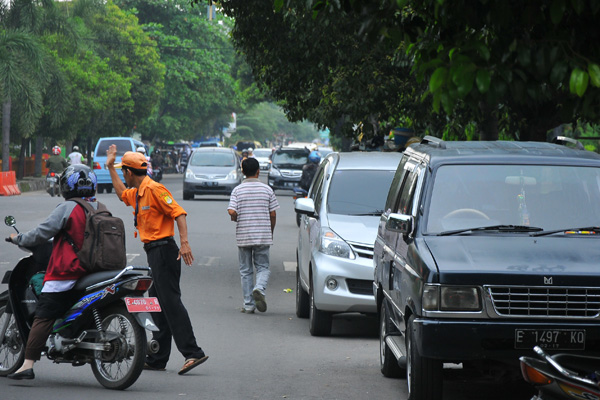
(109, 188)
(302, 299)
(12, 348)
(387, 360)
(423, 375)
(188, 196)
(100, 189)
(319, 322)
(120, 367)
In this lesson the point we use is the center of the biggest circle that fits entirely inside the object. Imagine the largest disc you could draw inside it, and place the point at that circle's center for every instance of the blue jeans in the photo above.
(253, 257)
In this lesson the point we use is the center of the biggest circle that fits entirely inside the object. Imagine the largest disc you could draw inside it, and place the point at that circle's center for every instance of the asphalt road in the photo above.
(258, 356)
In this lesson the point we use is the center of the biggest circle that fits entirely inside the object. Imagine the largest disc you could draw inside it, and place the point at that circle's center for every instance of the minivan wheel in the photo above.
(187, 195)
(423, 375)
(100, 189)
(302, 299)
(319, 321)
(387, 360)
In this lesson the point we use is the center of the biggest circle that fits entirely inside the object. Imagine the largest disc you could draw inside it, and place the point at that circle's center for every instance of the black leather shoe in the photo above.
(27, 374)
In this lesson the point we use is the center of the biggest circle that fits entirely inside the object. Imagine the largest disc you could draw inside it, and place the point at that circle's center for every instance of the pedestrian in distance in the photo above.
(75, 157)
(156, 213)
(66, 224)
(253, 207)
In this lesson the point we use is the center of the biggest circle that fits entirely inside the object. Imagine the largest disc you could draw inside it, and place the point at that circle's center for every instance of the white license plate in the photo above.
(210, 183)
(556, 339)
(142, 304)
(51, 179)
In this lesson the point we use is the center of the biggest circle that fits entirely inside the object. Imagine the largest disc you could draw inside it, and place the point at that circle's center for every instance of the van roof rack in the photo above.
(563, 140)
(433, 141)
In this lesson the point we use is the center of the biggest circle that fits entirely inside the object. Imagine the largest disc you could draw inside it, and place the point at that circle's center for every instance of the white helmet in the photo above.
(141, 149)
(75, 148)
(250, 150)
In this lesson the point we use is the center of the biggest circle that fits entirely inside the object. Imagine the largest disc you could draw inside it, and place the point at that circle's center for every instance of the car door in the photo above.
(308, 224)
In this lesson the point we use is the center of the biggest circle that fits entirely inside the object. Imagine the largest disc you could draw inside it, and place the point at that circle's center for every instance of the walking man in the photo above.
(155, 214)
(252, 206)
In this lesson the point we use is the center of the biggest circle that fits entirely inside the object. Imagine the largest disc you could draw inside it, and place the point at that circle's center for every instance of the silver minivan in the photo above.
(337, 233)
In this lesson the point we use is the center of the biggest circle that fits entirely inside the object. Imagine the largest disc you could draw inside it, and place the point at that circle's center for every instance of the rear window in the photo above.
(123, 145)
(212, 159)
(357, 192)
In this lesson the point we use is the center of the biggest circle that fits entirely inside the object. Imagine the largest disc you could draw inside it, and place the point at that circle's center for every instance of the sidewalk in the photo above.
(30, 183)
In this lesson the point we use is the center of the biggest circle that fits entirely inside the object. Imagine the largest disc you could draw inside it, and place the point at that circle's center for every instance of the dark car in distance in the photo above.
(486, 249)
(286, 167)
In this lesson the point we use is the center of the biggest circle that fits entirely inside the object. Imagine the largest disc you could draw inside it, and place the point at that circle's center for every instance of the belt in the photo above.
(159, 242)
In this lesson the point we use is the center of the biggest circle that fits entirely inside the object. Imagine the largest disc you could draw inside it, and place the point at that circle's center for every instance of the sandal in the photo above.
(191, 363)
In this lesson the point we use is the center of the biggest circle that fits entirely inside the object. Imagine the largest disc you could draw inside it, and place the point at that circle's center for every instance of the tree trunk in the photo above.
(489, 124)
(21, 166)
(39, 153)
(5, 134)
(89, 152)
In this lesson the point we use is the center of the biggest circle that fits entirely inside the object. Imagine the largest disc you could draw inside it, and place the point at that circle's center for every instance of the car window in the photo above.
(395, 186)
(294, 158)
(404, 201)
(262, 152)
(549, 197)
(316, 190)
(358, 192)
(212, 159)
(123, 145)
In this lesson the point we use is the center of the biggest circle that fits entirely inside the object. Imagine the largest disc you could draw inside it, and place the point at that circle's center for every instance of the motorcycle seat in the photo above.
(98, 277)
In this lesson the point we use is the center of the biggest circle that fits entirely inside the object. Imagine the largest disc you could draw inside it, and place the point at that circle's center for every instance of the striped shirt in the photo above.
(253, 202)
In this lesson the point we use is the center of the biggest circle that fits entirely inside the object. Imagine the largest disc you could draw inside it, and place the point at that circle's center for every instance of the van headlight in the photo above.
(189, 174)
(274, 172)
(333, 245)
(451, 298)
(232, 175)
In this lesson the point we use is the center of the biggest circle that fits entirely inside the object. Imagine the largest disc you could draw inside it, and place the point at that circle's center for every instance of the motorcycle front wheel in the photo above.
(12, 348)
(119, 367)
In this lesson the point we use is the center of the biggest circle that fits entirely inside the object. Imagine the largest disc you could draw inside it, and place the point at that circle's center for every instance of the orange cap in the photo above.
(133, 160)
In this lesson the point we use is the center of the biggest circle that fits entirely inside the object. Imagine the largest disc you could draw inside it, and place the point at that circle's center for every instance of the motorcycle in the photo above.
(299, 193)
(52, 186)
(104, 328)
(562, 376)
(157, 174)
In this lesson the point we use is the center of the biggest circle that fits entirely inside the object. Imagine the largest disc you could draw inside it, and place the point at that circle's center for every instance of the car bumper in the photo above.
(354, 292)
(479, 340)
(103, 176)
(210, 187)
(284, 183)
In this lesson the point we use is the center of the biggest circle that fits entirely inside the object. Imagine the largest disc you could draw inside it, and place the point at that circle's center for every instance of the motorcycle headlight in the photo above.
(189, 174)
(232, 175)
(333, 245)
(451, 298)
(274, 172)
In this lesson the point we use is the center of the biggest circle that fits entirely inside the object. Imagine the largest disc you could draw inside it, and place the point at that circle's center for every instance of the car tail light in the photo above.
(97, 165)
(52, 173)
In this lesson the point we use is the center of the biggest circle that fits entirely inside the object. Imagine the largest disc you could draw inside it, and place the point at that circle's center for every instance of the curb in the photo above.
(31, 184)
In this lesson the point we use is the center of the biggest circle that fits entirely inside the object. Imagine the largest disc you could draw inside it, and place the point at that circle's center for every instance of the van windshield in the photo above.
(123, 145)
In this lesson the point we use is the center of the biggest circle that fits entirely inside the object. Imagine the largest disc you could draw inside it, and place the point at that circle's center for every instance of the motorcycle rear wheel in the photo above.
(12, 348)
(122, 365)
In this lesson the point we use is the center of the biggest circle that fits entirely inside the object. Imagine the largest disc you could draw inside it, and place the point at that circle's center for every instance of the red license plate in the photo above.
(142, 304)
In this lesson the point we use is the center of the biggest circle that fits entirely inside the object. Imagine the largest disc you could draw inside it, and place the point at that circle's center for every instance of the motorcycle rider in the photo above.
(75, 157)
(142, 150)
(65, 223)
(55, 163)
(309, 169)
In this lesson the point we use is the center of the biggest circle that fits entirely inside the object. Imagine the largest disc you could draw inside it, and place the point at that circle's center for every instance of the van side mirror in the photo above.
(305, 205)
(400, 223)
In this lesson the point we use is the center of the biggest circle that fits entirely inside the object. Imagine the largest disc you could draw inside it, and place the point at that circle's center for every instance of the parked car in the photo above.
(123, 144)
(337, 231)
(286, 167)
(485, 250)
(211, 170)
(263, 156)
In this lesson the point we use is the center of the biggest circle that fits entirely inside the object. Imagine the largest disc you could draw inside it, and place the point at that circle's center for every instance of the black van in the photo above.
(286, 167)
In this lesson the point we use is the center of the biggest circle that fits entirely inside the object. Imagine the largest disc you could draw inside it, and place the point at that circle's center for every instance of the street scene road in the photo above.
(252, 356)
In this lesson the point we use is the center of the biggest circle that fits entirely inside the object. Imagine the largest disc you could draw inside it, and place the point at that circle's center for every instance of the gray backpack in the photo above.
(103, 245)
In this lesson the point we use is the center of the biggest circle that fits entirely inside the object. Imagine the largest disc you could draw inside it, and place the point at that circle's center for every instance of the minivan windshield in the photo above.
(541, 196)
(212, 159)
(290, 157)
(123, 145)
(262, 152)
(359, 192)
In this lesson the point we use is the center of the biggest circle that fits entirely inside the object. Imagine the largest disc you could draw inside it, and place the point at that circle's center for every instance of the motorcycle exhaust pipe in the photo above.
(153, 346)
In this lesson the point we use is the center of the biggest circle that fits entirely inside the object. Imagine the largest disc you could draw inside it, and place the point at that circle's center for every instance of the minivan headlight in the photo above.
(333, 245)
(274, 172)
(189, 174)
(232, 175)
(451, 298)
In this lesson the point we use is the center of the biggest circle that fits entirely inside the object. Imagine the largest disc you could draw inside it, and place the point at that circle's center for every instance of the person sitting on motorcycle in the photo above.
(156, 158)
(55, 163)
(66, 224)
(142, 150)
(75, 157)
(309, 169)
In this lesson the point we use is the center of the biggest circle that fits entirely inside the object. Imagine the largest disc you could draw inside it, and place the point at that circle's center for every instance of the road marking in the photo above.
(289, 266)
(206, 261)
(131, 257)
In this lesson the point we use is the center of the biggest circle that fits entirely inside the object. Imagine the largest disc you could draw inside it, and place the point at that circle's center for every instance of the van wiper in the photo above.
(500, 228)
(590, 230)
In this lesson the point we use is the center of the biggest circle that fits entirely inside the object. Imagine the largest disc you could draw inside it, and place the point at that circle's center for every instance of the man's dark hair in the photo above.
(250, 166)
(138, 172)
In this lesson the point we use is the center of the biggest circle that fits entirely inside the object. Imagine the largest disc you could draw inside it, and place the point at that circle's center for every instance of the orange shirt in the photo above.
(157, 210)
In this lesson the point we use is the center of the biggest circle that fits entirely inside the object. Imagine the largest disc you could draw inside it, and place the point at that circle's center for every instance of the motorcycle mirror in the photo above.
(9, 220)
